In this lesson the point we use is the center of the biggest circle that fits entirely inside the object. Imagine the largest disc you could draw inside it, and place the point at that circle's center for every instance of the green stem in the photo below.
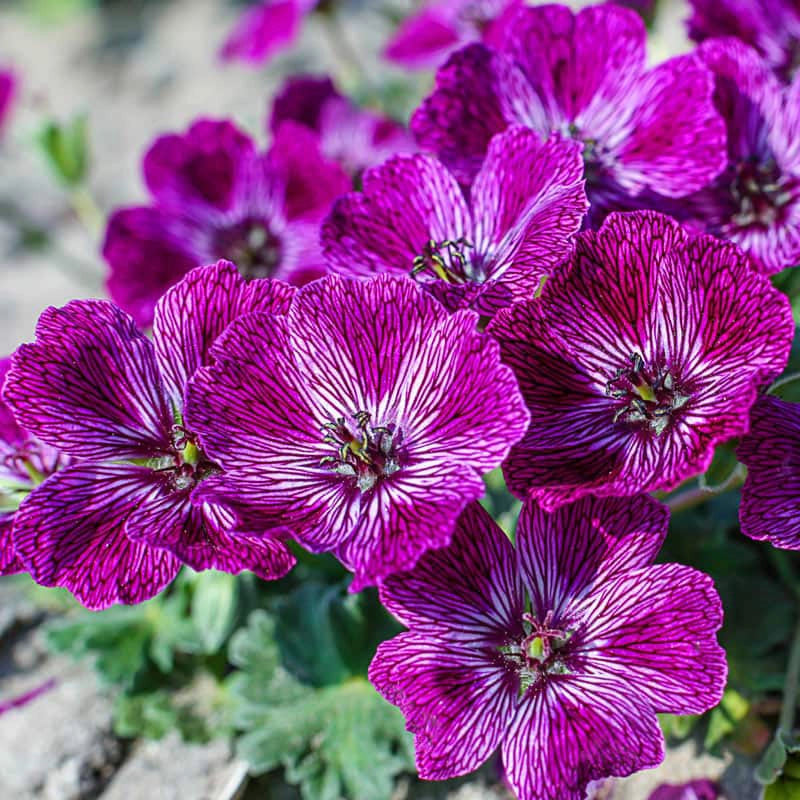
(87, 210)
(697, 495)
(784, 381)
(789, 704)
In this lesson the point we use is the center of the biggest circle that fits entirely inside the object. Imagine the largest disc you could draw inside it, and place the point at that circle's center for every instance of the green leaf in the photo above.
(336, 741)
(66, 148)
(787, 785)
(770, 767)
(675, 726)
(725, 717)
(214, 608)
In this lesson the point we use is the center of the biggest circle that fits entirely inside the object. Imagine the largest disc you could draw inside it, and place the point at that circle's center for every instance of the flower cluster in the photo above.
(562, 270)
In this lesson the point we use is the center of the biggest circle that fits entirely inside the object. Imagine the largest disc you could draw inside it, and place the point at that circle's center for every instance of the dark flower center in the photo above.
(760, 192)
(448, 260)
(186, 465)
(648, 396)
(371, 454)
(541, 652)
(252, 246)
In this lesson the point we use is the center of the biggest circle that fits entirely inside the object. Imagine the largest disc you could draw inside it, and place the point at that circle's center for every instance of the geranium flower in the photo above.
(8, 89)
(559, 651)
(644, 351)
(266, 29)
(770, 26)
(483, 251)
(583, 75)
(353, 137)
(24, 463)
(771, 493)
(442, 26)
(755, 202)
(216, 197)
(363, 420)
(115, 525)
(693, 790)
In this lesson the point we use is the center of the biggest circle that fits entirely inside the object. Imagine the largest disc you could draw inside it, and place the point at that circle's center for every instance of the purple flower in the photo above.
(771, 452)
(644, 351)
(484, 251)
(8, 90)
(559, 651)
(770, 26)
(24, 463)
(116, 523)
(694, 790)
(583, 75)
(215, 196)
(353, 137)
(265, 29)
(755, 202)
(363, 420)
(442, 26)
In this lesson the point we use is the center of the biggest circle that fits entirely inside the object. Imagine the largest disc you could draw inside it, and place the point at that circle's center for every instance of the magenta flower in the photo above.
(115, 524)
(8, 90)
(216, 197)
(441, 26)
(770, 26)
(24, 463)
(484, 251)
(755, 202)
(265, 29)
(771, 452)
(583, 75)
(694, 790)
(559, 651)
(644, 351)
(363, 420)
(353, 137)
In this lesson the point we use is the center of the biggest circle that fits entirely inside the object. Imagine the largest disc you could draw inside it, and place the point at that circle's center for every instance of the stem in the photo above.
(697, 495)
(789, 704)
(87, 210)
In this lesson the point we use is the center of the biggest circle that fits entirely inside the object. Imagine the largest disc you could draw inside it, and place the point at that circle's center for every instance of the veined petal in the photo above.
(564, 554)
(70, 532)
(191, 316)
(577, 729)
(9, 561)
(457, 701)
(90, 385)
(655, 629)
(471, 589)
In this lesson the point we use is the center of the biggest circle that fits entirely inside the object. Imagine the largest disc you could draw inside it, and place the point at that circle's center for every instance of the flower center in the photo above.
(760, 191)
(185, 465)
(448, 261)
(648, 395)
(371, 454)
(252, 246)
(541, 652)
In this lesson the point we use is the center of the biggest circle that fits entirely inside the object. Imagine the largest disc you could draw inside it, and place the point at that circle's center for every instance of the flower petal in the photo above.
(191, 316)
(563, 554)
(457, 701)
(90, 385)
(70, 532)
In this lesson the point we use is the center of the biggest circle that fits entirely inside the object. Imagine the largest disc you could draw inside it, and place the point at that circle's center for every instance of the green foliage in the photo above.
(723, 720)
(334, 740)
(66, 148)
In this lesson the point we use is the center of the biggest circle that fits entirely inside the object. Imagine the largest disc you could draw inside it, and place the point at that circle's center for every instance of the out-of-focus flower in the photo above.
(363, 420)
(266, 29)
(216, 197)
(116, 523)
(24, 463)
(644, 351)
(484, 251)
(693, 790)
(583, 75)
(559, 651)
(755, 202)
(771, 26)
(441, 26)
(771, 493)
(353, 137)
(8, 89)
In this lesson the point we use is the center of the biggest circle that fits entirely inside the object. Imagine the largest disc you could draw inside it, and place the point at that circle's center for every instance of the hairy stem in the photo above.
(697, 495)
